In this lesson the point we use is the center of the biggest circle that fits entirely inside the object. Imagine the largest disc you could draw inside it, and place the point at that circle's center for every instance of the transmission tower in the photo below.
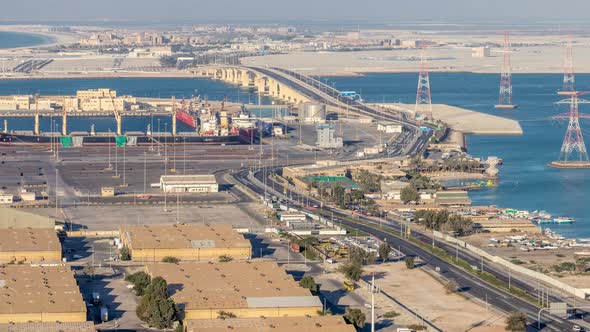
(573, 141)
(423, 97)
(505, 99)
(568, 67)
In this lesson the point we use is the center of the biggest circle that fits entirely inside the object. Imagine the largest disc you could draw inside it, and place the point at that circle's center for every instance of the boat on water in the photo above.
(563, 220)
(186, 118)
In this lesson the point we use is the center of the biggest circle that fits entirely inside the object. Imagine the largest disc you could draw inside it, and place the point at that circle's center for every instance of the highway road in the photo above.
(470, 284)
(320, 92)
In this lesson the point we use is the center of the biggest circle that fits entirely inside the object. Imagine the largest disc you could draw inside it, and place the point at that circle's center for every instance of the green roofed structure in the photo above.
(329, 181)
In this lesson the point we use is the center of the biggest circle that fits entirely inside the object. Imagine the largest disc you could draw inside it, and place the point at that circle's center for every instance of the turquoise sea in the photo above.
(11, 39)
(525, 181)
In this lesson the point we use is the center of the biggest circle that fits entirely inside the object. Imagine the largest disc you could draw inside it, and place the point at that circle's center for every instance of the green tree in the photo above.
(162, 313)
(140, 282)
(155, 307)
(309, 283)
(384, 251)
(409, 194)
(170, 259)
(356, 317)
(410, 263)
(351, 270)
(338, 194)
(124, 254)
(516, 322)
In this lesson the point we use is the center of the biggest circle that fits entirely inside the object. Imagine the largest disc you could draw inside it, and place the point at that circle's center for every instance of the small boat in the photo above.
(564, 220)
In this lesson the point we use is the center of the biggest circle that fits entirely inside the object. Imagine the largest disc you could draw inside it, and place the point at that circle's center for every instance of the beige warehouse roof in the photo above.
(233, 285)
(49, 327)
(283, 324)
(39, 289)
(183, 236)
(29, 239)
(15, 218)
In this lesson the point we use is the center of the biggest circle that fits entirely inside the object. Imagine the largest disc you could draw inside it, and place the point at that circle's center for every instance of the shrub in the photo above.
(170, 259)
(409, 262)
(391, 314)
(356, 317)
(352, 271)
(225, 258)
(124, 254)
(309, 283)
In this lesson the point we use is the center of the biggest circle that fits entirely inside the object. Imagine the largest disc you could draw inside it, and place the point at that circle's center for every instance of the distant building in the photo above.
(195, 242)
(189, 183)
(247, 289)
(107, 191)
(6, 198)
(326, 139)
(389, 127)
(480, 52)
(40, 294)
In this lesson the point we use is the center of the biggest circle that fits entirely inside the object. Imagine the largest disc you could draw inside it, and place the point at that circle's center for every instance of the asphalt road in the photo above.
(469, 283)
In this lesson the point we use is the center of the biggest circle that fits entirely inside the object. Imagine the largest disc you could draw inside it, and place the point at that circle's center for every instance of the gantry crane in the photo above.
(117, 114)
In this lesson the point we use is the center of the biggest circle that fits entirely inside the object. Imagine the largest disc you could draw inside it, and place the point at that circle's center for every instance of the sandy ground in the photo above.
(417, 289)
(470, 122)
(538, 59)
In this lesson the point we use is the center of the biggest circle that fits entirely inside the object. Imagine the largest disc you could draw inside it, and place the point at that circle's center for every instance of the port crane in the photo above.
(117, 114)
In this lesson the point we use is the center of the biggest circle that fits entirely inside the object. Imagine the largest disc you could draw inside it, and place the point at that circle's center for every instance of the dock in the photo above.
(569, 164)
(466, 121)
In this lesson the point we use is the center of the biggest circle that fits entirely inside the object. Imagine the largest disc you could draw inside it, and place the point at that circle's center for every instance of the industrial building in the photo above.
(40, 294)
(29, 245)
(326, 139)
(246, 289)
(189, 183)
(195, 242)
(389, 127)
(284, 324)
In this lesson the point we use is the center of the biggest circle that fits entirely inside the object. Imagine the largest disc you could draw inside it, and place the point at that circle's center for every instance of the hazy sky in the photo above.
(277, 10)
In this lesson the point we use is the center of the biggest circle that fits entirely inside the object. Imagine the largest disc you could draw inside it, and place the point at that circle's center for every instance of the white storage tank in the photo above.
(312, 112)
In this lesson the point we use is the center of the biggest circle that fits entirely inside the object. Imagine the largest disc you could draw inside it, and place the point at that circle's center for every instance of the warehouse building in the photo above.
(200, 242)
(189, 183)
(40, 294)
(246, 289)
(283, 324)
(48, 327)
(29, 245)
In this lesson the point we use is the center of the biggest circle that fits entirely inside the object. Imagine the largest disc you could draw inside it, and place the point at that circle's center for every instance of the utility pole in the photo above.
(373, 303)
(144, 172)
